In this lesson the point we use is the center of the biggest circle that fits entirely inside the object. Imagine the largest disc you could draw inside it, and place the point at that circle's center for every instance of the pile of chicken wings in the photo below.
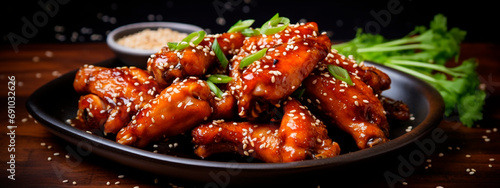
(259, 113)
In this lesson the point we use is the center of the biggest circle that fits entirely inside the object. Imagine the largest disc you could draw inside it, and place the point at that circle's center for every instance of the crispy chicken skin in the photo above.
(299, 136)
(117, 94)
(167, 65)
(291, 56)
(354, 109)
(178, 108)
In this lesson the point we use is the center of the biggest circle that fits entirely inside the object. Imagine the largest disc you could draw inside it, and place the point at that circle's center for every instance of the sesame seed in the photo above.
(121, 176)
(108, 183)
(468, 156)
(441, 154)
(492, 159)
(42, 144)
(65, 181)
(49, 158)
(56, 154)
(366, 101)
(117, 182)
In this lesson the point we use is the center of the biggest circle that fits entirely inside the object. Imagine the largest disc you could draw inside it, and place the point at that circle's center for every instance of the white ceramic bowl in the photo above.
(139, 57)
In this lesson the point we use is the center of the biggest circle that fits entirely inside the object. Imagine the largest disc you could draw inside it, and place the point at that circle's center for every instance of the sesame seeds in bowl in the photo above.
(133, 44)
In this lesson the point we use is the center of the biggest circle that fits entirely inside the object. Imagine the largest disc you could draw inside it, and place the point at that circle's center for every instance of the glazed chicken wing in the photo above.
(375, 78)
(299, 136)
(116, 95)
(167, 65)
(279, 73)
(178, 108)
(354, 109)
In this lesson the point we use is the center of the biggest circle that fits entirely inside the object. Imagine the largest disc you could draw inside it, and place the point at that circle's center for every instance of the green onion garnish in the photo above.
(298, 93)
(172, 45)
(220, 55)
(219, 78)
(340, 74)
(214, 89)
(253, 57)
(240, 26)
(249, 32)
(271, 26)
(194, 38)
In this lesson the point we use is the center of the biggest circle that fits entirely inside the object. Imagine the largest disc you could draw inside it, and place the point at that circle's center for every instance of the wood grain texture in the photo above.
(36, 64)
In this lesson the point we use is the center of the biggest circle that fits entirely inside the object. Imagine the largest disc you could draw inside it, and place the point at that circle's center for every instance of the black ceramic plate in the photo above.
(56, 102)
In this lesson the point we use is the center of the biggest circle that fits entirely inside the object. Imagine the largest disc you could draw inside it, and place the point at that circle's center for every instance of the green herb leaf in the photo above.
(252, 58)
(340, 74)
(423, 53)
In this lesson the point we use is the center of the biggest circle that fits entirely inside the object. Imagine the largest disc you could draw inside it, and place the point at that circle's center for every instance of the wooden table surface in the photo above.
(469, 157)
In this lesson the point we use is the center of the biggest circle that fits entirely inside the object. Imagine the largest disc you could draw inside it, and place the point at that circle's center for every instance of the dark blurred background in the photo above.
(71, 21)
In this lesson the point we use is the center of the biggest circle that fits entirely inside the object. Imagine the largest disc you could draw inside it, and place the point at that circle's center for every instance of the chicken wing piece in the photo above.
(225, 107)
(300, 136)
(292, 32)
(178, 108)
(373, 77)
(303, 135)
(167, 65)
(276, 75)
(395, 109)
(118, 93)
(92, 112)
(354, 109)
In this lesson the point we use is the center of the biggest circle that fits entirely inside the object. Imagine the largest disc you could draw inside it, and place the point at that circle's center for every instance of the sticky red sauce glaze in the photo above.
(354, 109)
(291, 56)
(300, 136)
(167, 65)
(178, 108)
(123, 91)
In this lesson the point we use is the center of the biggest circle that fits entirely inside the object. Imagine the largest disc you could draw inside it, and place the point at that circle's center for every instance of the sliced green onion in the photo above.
(214, 89)
(172, 45)
(298, 93)
(253, 57)
(249, 32)
(240, 26)
(194, 38)
(271, 26)
(220, 55)
(219, 78)
(340, 74)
